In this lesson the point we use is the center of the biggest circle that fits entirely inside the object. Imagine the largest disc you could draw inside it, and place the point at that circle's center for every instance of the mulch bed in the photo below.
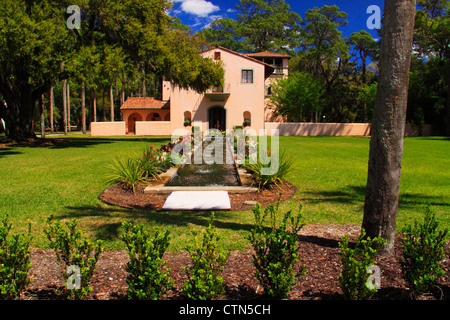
(319, 253)
(121, 196)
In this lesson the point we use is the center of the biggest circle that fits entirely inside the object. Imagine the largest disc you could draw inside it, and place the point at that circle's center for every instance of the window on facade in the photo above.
(247, 76)
(216, 55)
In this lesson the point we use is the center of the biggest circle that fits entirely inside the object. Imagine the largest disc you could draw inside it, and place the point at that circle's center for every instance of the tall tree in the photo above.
(260, 25)
(33, 42)
(432, 42)
(297, 97)
(268, 25)
(52, 106)
(388, 126)
(321, 37)
(225, 32)
(366, 47)
(64, 95)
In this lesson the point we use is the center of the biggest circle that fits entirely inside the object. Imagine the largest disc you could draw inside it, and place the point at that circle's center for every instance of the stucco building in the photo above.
(247, 86)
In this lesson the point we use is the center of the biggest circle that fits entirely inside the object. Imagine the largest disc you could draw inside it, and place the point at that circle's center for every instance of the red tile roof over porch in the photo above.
(139, 103)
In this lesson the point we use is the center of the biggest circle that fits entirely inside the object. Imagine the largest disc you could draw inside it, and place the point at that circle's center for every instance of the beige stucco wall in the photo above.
(153, 128)
(334, 129)
(243, 96)
(107, 129)
(319, 129)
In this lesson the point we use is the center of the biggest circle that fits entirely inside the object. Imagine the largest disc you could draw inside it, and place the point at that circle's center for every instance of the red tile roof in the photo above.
(144, 103)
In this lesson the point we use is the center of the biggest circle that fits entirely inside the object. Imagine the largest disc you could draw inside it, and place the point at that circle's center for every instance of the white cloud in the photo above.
(200, 8)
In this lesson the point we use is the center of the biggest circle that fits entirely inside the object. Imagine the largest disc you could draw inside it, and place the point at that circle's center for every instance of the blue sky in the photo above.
(200, 13)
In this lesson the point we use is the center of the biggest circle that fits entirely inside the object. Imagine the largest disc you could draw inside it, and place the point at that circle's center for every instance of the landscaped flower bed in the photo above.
(319, 254)
(322, 250)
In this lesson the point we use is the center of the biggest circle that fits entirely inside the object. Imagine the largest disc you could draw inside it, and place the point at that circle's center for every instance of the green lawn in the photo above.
(330, 173)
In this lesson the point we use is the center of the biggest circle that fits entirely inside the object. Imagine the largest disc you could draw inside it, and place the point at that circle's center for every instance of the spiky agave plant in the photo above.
(266, 174)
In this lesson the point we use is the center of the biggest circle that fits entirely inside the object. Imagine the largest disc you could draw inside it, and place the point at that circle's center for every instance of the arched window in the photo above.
(187, 118)
(247, 119)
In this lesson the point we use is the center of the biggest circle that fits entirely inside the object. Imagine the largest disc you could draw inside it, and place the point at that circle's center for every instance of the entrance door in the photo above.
(217, 118)
(132, 122)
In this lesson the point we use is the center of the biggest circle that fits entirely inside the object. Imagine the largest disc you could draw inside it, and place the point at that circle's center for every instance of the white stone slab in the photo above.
(198, 200)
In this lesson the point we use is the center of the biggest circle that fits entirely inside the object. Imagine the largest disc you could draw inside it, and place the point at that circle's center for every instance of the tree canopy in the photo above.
(260, 25)
(129, 37)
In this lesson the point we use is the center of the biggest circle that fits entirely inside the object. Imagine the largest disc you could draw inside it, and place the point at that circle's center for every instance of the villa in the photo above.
(242, 101)
(243, 97)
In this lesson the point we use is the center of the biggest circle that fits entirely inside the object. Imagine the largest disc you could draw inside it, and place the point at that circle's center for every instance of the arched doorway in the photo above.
(132, 122)
(217, 118)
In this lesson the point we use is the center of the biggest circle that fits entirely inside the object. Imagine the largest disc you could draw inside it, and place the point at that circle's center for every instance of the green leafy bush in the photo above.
(354, 277)
(422, 253)
(208, 261)
(276, 249)
(75, 254)
(14, 261)
(146, 278)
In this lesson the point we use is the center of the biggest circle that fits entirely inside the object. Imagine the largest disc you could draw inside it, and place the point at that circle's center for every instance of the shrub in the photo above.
(74, 253)
(146, 278)
(265, 173)
(208, 261)
(276, 249)
(422, 253)
(355, 263)
(129, 172)
(14, 261)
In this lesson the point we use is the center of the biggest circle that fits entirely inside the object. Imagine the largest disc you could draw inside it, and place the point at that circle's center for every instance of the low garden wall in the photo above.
(108, 129)
(334, 129)
(319, 129)
(164, 128)
(153, 128)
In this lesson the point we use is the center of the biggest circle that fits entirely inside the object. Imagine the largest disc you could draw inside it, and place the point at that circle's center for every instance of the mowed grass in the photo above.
(329, 172)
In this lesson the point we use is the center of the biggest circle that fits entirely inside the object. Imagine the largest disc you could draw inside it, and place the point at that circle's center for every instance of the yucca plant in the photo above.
(128, 171)
(265, 173)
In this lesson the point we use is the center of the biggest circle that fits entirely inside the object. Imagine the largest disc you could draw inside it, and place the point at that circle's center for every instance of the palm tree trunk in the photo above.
(94, 107)
(41, 110)
(111, 101)
(64, 93)
(68, 106)
(52, 101)
(83, 108)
